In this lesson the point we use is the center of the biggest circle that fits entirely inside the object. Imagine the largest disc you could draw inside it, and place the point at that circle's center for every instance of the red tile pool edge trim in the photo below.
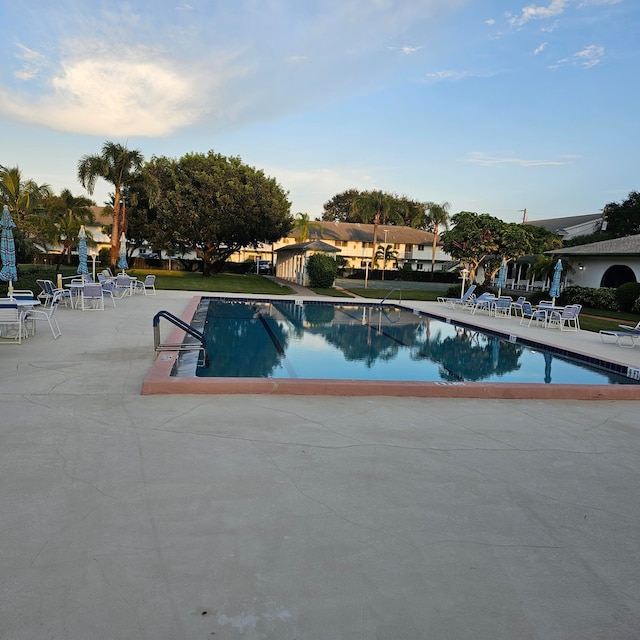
(160, 381)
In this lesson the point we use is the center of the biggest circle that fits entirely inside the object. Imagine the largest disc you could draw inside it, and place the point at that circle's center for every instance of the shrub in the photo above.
(593, 298)
(322, 270)
(627, 295)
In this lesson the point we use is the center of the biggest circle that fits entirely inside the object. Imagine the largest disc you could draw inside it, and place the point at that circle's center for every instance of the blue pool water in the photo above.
(285, 339)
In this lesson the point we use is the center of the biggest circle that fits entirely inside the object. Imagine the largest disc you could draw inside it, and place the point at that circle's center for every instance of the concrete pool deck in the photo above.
(260, 516)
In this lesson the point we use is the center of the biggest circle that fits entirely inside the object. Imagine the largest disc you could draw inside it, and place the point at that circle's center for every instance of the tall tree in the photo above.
(437, 216)
(214, 206)
(339, 209)
(472, 238)
(371, 207)
(623, 219)
(120, 167)
(400, 210)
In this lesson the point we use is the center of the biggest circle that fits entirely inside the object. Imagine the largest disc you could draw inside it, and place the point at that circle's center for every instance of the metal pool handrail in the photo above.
(388, 294)
(182, 346)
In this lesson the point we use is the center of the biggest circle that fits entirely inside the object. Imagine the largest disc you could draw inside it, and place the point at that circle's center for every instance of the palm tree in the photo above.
(303, 225)
(386, 254)
(373, 205)
(69, 213)
(119, 166)
(21, 196)
(437, 217)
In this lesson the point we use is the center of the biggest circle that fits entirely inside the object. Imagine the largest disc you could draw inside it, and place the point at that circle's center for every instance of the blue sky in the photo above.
(493, 106)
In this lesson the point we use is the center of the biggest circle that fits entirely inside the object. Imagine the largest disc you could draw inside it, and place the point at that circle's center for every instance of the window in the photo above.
(409, 247)
(341, 243)
(420, 266)
(420, 247)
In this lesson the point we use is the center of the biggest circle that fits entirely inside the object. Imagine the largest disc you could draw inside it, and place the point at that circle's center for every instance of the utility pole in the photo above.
(524, 215)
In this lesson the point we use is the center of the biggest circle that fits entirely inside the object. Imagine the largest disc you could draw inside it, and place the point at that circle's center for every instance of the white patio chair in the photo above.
(123, 286)
(567, 319)
(44, 296)
(108, 290)
(528, 312)
(462, 301)
(484, 302)
(148, 284)
(517, 305)
(33, 315)
(92, 297)
(502, 306)
(11, 318)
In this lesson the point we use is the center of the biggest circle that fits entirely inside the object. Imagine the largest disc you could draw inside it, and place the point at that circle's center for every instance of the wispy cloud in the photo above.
(488, 160)
(597, 3)
(587, 58)
(535, 12)
(451, 75)
(409, 50)
(32, 63)
(590, 56)
(540, 48)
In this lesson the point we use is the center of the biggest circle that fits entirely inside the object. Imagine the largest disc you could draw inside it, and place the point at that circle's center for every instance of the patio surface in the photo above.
(304, 517)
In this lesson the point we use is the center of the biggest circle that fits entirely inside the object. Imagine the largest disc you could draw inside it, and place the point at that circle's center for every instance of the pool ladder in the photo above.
(388, 294)
(181, 346)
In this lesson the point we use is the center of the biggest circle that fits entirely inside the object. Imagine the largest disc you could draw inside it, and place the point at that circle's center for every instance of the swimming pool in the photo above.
(290, 346)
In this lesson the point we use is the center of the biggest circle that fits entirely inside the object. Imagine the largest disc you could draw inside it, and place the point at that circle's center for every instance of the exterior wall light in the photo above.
(580, 266)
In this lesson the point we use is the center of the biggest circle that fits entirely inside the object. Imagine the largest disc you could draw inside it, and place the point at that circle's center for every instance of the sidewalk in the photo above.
(281, 517)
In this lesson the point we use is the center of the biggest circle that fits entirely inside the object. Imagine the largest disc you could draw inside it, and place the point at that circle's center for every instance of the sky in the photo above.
(494, 106)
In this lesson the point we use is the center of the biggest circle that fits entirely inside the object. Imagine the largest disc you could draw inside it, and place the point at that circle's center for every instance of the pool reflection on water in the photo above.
(344, 341)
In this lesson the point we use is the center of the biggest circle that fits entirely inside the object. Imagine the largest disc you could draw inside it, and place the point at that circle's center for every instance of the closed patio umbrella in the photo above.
(554, 292)
(83, 268)
(9, 272)
(122, 260)
(501, 279)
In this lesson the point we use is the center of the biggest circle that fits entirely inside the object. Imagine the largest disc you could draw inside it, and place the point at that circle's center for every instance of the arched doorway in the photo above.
(616, 275)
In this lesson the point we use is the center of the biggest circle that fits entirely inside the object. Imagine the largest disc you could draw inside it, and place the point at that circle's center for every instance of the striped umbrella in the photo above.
(83, 268)
(9, 272)
(501, 279)
(122, 261)
(554, 292)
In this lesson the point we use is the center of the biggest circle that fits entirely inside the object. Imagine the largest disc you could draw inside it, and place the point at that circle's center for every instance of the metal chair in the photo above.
(33, 315)
(148, 284)
(532, 314)
(11, 317)
(92, 297)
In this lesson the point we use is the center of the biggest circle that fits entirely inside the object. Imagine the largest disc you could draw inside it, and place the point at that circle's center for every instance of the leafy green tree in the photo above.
(120, 167)
(541, 239)
(472, 239)
(623, 219)
(214, 206)
(338, 209)
(399, 210)
(437, 216)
